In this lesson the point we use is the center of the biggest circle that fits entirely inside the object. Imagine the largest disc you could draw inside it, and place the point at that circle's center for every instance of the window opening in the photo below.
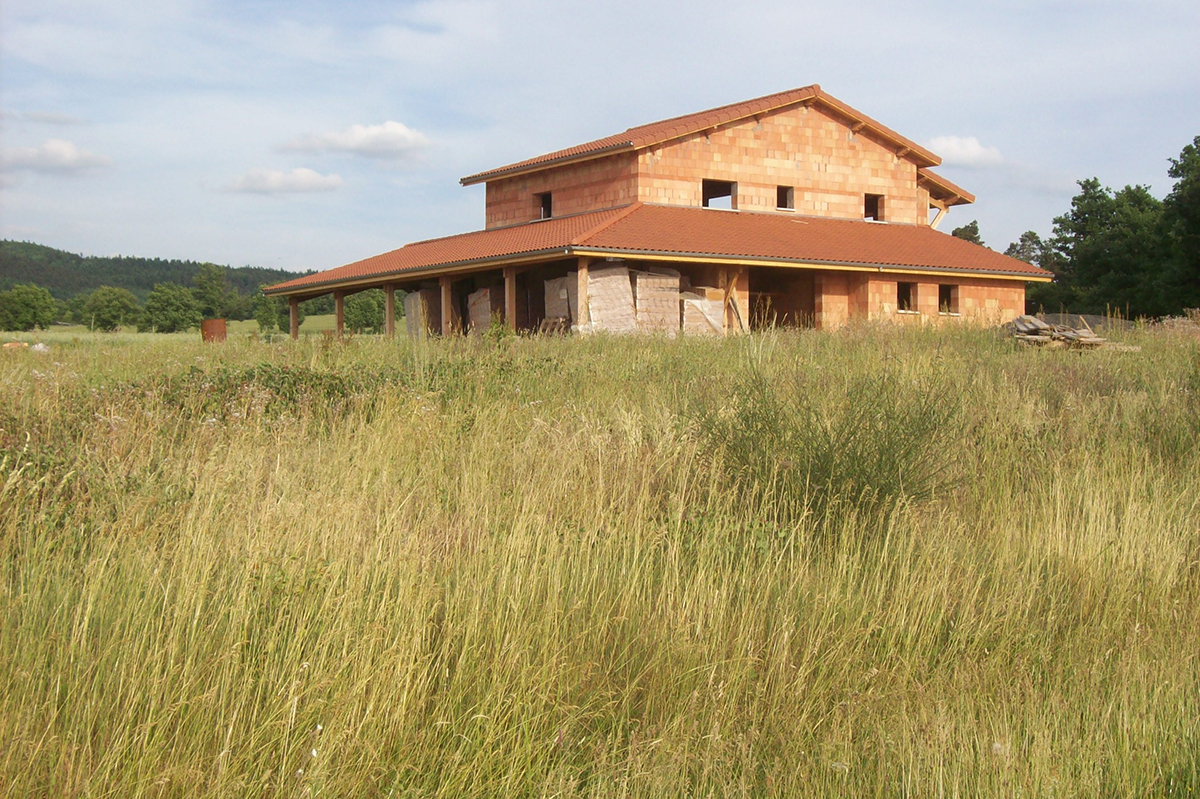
(873, 207)
(545, 204)
(718, 194)
(947, 299)
(906, 297)
(785, 197)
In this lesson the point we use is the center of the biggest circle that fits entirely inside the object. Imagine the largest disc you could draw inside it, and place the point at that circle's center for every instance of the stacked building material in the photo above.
(482, 305)
(1033, 331)
(423, 312)
(656, 300)
(558, 298)
(610, 300)
(702, 311)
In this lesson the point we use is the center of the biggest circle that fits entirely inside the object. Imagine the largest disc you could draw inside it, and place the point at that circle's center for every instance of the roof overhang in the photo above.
(559, 253)
(943, 190)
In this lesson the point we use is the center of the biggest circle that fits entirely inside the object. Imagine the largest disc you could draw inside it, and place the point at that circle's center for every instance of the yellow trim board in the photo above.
(422, 273)
(810, 265)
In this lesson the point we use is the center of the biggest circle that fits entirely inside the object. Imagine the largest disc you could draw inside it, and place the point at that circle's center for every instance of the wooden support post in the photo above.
(339, 310)
(723, 285)
(510, 297)
(941, 212)
(389, 310)
(581, 293)
(732, 317)
(447, 305)
(294, 316)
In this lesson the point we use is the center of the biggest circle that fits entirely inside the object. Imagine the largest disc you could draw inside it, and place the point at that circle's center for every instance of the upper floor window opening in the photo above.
(873, 207)
(545, 205)
(785, 198)
(718, 194)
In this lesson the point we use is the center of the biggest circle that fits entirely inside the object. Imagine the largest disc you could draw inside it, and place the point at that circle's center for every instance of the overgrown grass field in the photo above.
(871, 563)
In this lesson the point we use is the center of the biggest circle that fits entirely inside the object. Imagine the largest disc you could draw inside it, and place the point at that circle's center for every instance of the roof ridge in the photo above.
(607, 223)
(815, 88)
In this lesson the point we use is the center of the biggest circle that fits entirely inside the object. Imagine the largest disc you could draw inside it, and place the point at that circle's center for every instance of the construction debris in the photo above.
(1037, 333)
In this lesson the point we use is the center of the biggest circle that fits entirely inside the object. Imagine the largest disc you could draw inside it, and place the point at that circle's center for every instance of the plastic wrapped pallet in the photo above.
(656, 295)
(423, 312)
(703, 314)
(558, 298)
(482, 305)
(610, 300)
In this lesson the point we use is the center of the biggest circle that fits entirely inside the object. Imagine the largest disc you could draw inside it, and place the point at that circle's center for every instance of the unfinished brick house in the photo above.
(792, 209)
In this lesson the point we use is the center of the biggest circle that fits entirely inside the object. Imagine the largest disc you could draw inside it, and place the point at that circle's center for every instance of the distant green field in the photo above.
(873, 563)
(311, 325)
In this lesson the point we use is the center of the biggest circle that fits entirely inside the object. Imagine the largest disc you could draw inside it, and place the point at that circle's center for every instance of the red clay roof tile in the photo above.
(689, 234)
(665, 130)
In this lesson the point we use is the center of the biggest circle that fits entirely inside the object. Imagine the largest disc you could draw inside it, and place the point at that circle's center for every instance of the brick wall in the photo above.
(830, 167)
(846, 296)
(575, 188)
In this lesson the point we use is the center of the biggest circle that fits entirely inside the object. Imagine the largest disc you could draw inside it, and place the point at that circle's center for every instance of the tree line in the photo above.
(1123, 252)
(173, 308)
(67, 274)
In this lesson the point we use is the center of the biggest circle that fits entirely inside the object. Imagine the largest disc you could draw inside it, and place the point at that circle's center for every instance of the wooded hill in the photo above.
(66, 274)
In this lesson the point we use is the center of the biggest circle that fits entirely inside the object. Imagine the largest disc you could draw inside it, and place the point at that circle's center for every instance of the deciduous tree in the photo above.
(26, 306)
(170, 308)
(109, 309)
(364, 311)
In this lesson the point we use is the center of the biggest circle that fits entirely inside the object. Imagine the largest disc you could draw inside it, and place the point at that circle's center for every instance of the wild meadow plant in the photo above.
(874, 562)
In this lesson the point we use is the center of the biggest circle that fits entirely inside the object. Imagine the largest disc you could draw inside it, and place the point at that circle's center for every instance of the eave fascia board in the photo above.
(512, 172)
(804, 263)
(419, 272)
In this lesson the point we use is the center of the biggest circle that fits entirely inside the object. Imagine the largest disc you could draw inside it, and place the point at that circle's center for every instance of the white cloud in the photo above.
(389, 141)
(54, 155)
(270, 181)
(51, 118)
(964, 151)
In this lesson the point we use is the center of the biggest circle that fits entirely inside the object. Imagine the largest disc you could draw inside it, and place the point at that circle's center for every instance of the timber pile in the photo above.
(1034, 332)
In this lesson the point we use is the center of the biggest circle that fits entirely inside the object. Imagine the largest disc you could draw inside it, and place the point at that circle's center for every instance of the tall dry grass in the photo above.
(881, 562)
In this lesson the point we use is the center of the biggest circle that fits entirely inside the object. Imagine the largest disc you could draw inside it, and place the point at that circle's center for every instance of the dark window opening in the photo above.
(873, 207)
(906, 297)
(785, 197)
(948, 299)
(718, 194)
(544, 203)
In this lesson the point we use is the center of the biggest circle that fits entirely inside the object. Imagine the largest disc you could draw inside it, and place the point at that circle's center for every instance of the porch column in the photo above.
(294, 316)
(510, 297)
(447, 305)
(581, 292)
(389, 310)
(339, 306)
(730, 280)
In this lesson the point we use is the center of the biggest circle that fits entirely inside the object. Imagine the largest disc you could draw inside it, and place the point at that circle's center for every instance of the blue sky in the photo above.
(304, 135)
